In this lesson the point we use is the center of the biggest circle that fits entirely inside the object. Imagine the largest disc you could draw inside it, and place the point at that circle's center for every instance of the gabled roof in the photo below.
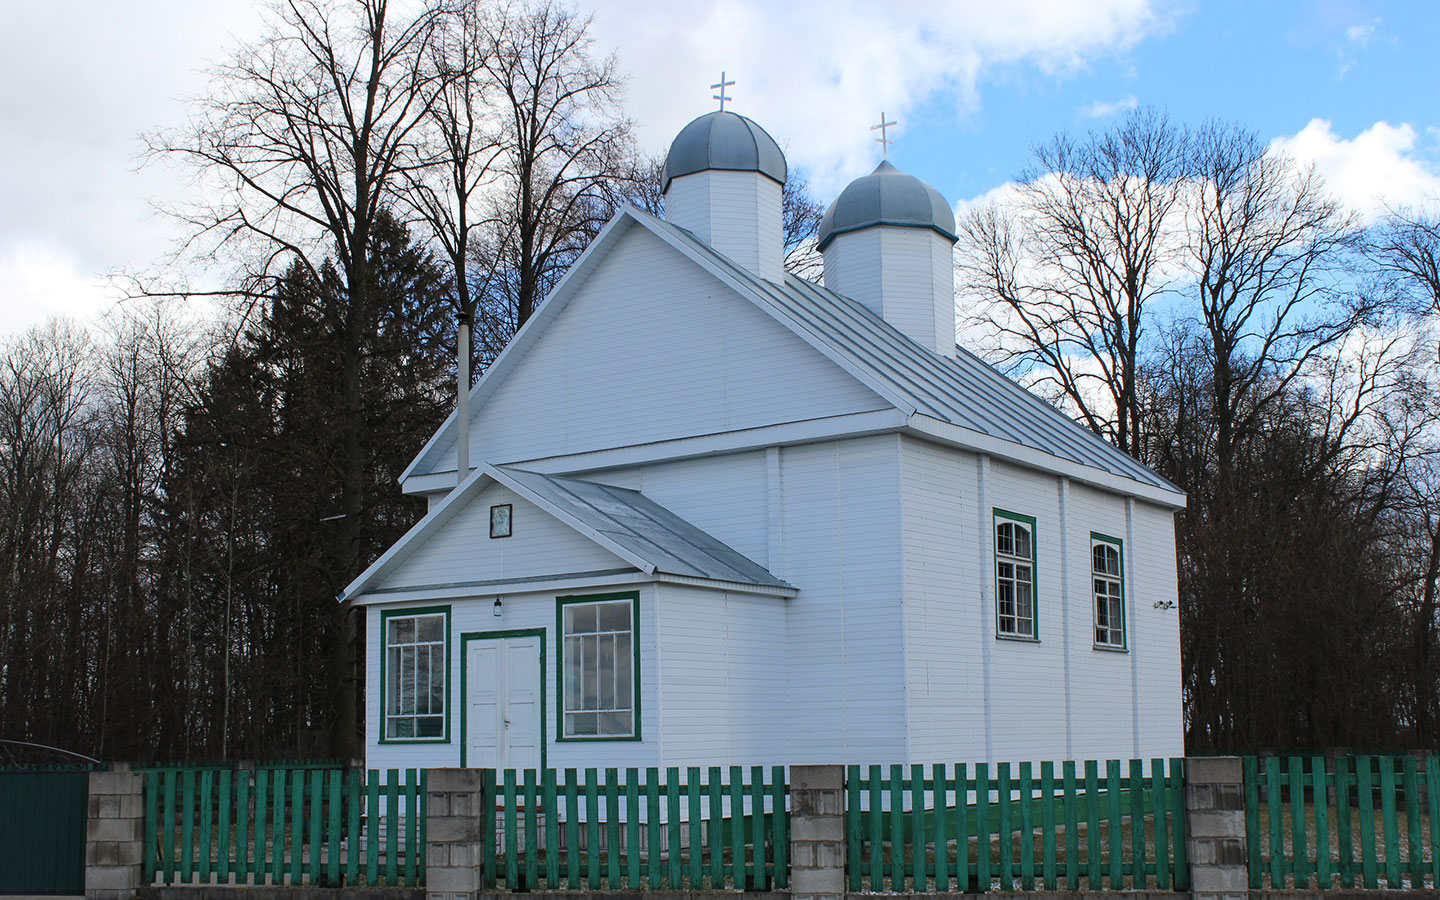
(962, 391)
(649, 537)
(663, 541)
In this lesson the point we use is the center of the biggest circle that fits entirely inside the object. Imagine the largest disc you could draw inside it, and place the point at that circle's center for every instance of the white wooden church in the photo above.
(719, 514)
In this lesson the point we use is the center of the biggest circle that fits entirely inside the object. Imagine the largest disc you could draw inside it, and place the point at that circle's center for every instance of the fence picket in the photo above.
(696, 857)
(897, 829)
(572, 829)
(1159, 793)
(962, 840)
(942, 821)
(1093, 846)
(243, 818)
(1392, 827)
(297, 824)
(1365, 794)
(1116, 835)
(392, 826)
(1138, 860)
(512, 827)
(315, 818)
(654, 871)
(1047, 823)
(982, 827)
(780, 823)
(1344, 839)
(673, 854)
(877, 849)
(550, 806)
(277, 827)
(1320, 787)
(1072, 827)
(207, 813)
(1181, 868)
(355, 781)
(1027, 828)
(372, 827)
(737, 827)
(917, 828)
(167, 839)
(1299, 854)
(716, 830)
(226, 810)
(1412, 822)
(532, 833)
(187, 826)
(1273, 792)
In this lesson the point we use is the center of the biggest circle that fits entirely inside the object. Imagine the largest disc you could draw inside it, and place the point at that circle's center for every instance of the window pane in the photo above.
(605, 689)
(430, 628)
(624, 667)
(430, 726)
(404, 727)
(1022, 542)
(580, 618)
(590, 675)
(615, 616)
(1022, 601)
(437, 678)
(615, 723)
(580, 723)
(1022, 574)
(402, 631)
(1005, 539)
(407, 680)
(392, 681)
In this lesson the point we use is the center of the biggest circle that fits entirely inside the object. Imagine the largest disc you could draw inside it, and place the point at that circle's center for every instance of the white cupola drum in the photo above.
(888, 242)
(724, 178)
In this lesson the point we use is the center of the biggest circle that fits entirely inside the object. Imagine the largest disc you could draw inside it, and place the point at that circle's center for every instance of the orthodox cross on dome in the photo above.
(883, 140)
(722, 86)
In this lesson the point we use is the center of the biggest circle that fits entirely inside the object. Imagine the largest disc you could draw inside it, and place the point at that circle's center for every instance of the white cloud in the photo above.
(73, 208)
(817, 75)
(1102, 109)
(1381, 165)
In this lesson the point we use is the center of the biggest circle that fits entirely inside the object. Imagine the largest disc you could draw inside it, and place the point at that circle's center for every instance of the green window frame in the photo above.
(1107, 591)
(600, 710)
(1016, 598)
(409, 645)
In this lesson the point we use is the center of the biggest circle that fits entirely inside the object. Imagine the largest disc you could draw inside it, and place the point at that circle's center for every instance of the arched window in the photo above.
(1108, 580)
(1014, 575)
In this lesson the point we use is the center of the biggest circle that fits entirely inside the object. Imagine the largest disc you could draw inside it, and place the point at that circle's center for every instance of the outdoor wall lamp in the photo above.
(497, 609)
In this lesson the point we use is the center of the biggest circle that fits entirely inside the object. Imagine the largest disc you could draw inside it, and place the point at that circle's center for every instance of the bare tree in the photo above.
(1406, 245)
(1076, 260)
(564, 150)
(304, 136)
(1271, 253)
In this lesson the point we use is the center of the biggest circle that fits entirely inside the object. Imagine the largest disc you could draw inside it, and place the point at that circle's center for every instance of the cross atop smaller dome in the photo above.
(726, 141)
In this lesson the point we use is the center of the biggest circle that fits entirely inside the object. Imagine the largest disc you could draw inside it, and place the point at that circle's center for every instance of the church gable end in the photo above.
(463, 551)
(652, 347)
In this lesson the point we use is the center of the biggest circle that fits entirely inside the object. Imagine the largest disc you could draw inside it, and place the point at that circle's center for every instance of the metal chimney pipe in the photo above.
(462, 397)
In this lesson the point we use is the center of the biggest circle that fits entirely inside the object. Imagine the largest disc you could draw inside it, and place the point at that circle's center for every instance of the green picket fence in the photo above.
(283, 825)
(632, 829)
(996, 827)
(1313, 822)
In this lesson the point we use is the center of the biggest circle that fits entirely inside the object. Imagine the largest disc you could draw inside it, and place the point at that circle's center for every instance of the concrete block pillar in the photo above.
(1215, 819)
(453, 849)
(817, 832)
(114, 835)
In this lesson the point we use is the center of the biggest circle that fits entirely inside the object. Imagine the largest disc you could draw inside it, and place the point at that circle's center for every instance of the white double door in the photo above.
(503, 722)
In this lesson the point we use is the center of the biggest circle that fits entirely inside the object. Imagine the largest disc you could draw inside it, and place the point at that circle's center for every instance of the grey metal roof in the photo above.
(645, 528)
(887, 196)
(723, 140)
(962, 390)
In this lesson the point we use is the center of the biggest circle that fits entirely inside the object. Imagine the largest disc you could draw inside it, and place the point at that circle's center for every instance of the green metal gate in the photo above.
(42, 831)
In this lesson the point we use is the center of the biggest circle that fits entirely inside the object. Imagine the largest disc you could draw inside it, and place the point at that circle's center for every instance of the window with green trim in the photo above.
(1014, 575)
(599, 668)
(415, 676)
(1108, 590)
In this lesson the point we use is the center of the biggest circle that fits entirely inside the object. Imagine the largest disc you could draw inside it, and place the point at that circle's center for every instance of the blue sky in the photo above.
(1346, 84)
(1271, 66)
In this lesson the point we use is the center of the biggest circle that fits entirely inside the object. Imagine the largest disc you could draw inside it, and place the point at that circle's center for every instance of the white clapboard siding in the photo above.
(722, 670)
(463, 551)
(653, 348)
(841, 545)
